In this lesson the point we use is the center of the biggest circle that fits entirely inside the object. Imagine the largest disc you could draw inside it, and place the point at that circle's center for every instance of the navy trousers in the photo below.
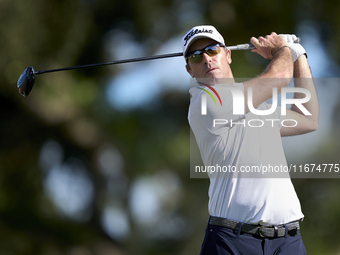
(223, 241)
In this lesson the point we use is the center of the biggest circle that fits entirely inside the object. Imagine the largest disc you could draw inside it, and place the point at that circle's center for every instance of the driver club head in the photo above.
(26, 81)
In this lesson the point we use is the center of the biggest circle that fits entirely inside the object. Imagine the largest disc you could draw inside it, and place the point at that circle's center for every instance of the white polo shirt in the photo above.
(243, 142)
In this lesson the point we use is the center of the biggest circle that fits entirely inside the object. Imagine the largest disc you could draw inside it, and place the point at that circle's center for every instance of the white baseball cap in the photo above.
(204, 31)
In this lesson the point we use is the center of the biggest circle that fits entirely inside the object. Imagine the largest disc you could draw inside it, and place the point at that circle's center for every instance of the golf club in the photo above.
(27, 78)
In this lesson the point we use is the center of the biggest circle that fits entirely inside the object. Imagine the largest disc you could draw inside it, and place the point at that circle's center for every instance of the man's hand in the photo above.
(296, 48)
(268, 45)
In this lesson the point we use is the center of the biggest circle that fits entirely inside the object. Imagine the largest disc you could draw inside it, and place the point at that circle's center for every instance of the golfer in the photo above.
(257, 215)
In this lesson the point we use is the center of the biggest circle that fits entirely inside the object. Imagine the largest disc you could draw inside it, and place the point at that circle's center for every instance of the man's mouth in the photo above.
(210, 70)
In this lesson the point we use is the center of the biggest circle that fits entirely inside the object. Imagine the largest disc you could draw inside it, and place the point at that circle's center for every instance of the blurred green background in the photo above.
(96, 161)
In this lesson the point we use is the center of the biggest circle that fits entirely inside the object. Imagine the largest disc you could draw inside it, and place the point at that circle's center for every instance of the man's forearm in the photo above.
(277, 75)
(281, 65)
(305, 123)
(303, 79)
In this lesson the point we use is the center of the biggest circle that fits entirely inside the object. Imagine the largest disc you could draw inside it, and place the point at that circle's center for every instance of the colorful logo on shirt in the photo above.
(211, 95)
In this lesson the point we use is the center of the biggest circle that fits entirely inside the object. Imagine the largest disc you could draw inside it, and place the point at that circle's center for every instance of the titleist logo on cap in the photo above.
(194, 32)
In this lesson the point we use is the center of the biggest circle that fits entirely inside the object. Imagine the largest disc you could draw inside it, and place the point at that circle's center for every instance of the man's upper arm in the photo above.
(297, 124)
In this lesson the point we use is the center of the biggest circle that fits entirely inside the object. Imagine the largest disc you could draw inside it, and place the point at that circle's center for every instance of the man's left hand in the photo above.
(296, 48)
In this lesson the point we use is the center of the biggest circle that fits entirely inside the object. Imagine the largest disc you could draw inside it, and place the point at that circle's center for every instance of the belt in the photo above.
(261, 230)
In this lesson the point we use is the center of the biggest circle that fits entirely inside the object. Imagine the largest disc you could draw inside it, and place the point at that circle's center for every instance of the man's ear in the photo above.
(228, 52)
(189, 70)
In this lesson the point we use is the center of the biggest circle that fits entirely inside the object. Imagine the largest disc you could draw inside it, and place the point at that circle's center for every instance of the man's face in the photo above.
(216, 66)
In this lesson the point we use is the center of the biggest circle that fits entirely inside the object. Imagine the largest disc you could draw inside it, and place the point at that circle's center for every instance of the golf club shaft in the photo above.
(246, 46)
(113, 62)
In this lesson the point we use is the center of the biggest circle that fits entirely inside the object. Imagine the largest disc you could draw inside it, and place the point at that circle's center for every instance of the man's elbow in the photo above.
(313, 126)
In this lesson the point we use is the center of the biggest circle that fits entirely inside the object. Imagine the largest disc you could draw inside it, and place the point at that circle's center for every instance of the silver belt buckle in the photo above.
(260, 233)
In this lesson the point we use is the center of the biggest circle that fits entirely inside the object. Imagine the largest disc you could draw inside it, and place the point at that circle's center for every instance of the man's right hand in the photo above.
(268, 45)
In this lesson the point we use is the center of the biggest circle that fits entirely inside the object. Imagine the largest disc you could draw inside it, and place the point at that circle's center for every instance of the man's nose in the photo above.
(206, 57)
